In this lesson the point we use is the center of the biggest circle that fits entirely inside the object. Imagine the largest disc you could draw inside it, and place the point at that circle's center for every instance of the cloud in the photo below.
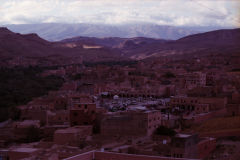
(165, 12)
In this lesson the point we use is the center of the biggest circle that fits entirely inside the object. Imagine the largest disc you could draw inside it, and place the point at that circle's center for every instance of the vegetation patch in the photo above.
(162, 130)
(20, 85)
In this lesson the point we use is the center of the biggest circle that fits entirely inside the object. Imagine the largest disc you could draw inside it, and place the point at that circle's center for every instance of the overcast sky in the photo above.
(163, 12)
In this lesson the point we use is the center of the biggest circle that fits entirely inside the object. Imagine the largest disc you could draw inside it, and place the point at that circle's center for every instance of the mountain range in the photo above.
(60, 31)
(31, 46)
(219, 41)
(91, 49)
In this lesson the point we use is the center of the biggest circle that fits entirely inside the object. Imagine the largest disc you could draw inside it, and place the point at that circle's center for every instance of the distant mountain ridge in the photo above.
(114, 42)
(220, 41)
(58, 31)
(226, 40)
(91, 49)
(31, 46)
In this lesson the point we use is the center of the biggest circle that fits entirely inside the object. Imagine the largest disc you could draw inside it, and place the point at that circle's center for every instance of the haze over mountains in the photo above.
(58, 31)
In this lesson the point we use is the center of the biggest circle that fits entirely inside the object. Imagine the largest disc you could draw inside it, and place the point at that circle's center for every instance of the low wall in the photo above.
(83, 156)
(201, 118)
(205, 147)
(120, 156)
(95, 155)
(220, 134)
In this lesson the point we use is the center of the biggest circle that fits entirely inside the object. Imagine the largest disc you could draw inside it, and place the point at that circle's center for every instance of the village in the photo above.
(162, 109)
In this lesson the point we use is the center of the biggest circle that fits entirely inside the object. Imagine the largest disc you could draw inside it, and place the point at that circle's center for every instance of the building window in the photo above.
(193, 108)
(178, 145)
(85, 106)
(75, 114)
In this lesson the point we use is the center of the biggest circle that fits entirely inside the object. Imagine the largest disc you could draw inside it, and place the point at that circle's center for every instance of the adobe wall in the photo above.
(201, 118)
(120, 156)
(219, 134)
(206, 147)
(84, 156)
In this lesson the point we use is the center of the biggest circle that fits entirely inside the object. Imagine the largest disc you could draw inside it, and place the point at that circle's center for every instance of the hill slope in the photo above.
(220, 41)
(17, 46)
(91, 49)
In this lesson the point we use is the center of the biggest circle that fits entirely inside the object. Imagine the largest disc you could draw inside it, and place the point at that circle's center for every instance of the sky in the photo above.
(162, 12)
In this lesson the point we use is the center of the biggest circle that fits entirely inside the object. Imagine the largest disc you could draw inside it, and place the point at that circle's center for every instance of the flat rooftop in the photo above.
(26, 150)
(183, 135)
(72, 129)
